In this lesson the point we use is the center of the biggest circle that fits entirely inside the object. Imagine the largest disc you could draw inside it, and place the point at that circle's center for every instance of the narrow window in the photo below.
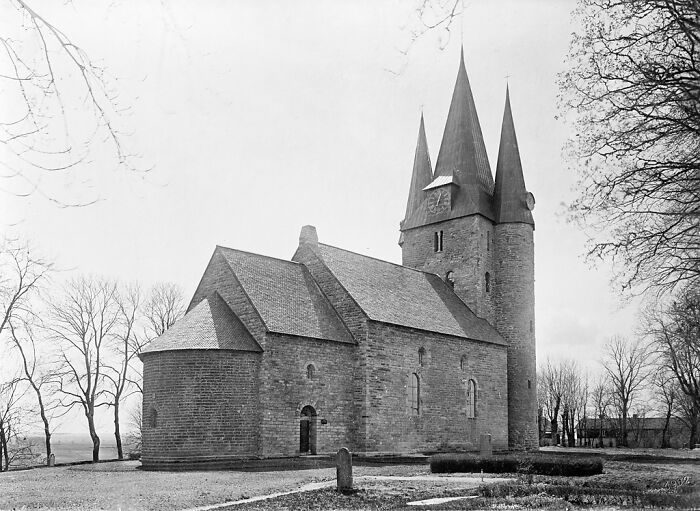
(415, 394)
(437, 241)
(471, 399)
(529, 384)
(450, 279)
(463, 363)
(310, 372)
(530, 325)
(153, 418)
(487, 278)
(488, 240)
(421, 357)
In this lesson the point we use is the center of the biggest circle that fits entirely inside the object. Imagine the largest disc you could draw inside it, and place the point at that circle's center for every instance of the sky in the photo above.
(256, 118)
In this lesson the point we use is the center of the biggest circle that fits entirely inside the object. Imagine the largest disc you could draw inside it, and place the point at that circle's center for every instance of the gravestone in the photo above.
(52, 460)
(485, 448)
(343, 464)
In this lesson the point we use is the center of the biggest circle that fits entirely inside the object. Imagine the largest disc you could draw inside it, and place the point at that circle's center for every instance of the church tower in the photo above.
(478, 236)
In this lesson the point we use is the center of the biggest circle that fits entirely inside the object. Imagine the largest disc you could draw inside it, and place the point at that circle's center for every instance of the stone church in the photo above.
(333, 348)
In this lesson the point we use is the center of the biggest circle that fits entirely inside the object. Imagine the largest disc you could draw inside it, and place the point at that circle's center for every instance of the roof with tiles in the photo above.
(210, 325)
(396, 294)
(285, 295)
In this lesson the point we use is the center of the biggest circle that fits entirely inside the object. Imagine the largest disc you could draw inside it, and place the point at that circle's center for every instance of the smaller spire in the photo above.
(422, 171)
(510, 194)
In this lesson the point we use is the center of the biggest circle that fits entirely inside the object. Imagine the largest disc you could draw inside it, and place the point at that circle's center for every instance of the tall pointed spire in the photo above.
(463, 152)
(510, 194)
(422, 171)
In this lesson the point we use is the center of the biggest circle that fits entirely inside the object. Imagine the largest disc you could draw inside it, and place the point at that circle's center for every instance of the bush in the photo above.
(446, 463)
(528, 464)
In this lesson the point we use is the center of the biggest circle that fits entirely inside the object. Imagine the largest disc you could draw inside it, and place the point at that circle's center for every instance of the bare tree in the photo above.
(164, 306)
(632, 93)
(21, 276)
(82, 324)
(44, 73)
(627, 365)
(10, 395)
(600, 401)
(674, 330)
(24, 342)
(554, 388)
(125, 345)
(667, 394)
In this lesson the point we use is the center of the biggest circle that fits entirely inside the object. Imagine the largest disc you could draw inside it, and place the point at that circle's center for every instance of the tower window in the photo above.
(437, 241)
(488, 240)
(450, 279)
(529, 384)
(152, 418)
(463, 363)
(487, 279)
(421, 357)
(310, 372)
(415, 394)
(530, 325)
(471, 399)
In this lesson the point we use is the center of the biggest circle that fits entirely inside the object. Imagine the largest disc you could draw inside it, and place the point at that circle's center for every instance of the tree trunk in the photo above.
(664, 434)
(3, 449)
(94, 437)
(555, 425)
(693, 429)
(117, 435)
(623, 426)
(45, 420)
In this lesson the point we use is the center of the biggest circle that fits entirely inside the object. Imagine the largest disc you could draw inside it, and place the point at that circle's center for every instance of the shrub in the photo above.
(446, 463)
(528, 464)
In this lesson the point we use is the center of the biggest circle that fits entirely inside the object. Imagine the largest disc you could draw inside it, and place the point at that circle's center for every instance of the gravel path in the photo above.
(121, 485)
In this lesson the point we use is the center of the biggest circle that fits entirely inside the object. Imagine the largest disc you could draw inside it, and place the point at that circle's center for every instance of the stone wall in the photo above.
(285, 390)
(200, 406)
(468, 250)
(442, 422)
(515, 320)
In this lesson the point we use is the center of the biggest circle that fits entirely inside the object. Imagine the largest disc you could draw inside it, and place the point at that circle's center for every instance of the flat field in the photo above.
(669, 482)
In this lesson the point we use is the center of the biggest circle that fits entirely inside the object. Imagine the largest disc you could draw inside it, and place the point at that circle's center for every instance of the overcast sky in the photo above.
(260, 117)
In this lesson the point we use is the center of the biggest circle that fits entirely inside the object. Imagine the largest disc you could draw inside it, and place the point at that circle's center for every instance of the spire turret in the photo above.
(510, 195)
(463, 152)
(422, 171)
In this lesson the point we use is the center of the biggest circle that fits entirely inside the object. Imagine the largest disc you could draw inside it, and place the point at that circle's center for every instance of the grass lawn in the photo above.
(664, 482)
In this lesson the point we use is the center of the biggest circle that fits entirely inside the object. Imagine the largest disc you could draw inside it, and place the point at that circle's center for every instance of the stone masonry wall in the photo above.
(468, 250)
(206, 406)
(356, 321)
(285, 390)
(442, 422)
(515, 320)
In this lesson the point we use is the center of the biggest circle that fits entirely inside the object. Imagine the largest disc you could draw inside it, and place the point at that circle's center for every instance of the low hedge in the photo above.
(525, 464)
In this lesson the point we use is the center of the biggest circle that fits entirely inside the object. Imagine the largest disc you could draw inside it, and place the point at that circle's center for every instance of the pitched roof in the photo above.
(422, 171)
(209, 325)
(440, 181)
(509, 194)
(392, 293)
(286, 296)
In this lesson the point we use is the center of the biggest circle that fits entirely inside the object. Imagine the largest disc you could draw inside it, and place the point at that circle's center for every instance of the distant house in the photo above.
(641, 432)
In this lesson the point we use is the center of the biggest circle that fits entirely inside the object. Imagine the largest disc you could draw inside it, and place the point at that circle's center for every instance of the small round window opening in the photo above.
(310, 372)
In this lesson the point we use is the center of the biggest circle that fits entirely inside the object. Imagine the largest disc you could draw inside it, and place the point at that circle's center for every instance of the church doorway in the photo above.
(307, 430)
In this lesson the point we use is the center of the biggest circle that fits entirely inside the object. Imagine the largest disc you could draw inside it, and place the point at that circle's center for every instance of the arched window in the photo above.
(415, 394)
(450, 279)
(487, 278)
(463, 363)
(421, 356)
(310, 372)
(471, 399)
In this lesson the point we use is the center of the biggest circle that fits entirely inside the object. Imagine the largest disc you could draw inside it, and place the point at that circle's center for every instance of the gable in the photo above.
(286, 297)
